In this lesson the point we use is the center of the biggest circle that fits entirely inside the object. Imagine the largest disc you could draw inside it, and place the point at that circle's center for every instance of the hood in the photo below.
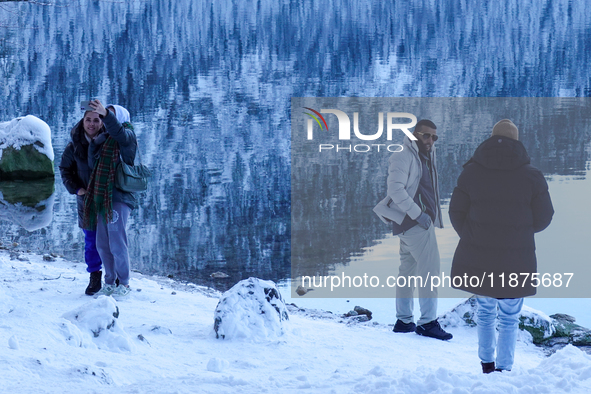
(79, 142)
(410, 144)
(76, 131)
(501, 153)
(121, 113)
(414, 146)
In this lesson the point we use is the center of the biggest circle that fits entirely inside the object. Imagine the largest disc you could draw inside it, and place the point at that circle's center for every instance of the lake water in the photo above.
(209, 88)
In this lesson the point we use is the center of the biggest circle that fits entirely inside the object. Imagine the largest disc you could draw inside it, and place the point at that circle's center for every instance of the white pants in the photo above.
(419, 256)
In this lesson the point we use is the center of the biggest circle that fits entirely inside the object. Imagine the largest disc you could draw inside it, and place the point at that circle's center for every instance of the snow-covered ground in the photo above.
(163, 342)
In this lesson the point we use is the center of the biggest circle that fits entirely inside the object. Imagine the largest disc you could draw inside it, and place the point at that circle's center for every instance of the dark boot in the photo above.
(433, 330)
(95, 283)
(401, 326)
(488, 367)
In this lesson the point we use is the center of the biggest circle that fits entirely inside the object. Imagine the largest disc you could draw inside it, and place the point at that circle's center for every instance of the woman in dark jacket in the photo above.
(500, 201)
(75, 173)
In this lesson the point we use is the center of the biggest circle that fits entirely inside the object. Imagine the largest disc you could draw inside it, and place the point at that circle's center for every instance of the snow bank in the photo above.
(252, 309)
(570, 367)
(26, 131)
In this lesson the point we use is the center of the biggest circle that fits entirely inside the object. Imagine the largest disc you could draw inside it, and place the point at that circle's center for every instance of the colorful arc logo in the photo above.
(316, 119)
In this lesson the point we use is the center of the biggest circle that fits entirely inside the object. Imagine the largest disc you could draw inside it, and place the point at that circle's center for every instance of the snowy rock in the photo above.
(217, 365)
(462, 314)
(363, 311)
(251, 309)
(25, 149)
(97, 321)
(359, 313)
(537, 324)
(74, 337)
(567, 331)
(13, 342)
(358, 319)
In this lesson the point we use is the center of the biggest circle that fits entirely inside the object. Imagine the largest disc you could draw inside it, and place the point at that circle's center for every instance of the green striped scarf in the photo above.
(98, 200)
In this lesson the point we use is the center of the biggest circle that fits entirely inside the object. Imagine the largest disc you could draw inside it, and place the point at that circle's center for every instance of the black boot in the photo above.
(95, 283)
(488, 367)
(433, 330)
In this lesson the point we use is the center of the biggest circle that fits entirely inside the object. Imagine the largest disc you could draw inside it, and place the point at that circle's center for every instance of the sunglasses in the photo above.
(426, 136)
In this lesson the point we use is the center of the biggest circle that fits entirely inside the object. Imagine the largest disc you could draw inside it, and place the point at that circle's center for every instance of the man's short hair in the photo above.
(426, 123)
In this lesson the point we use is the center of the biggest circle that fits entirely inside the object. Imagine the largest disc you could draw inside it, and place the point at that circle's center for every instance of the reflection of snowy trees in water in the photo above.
(28, 204)
(211, 101)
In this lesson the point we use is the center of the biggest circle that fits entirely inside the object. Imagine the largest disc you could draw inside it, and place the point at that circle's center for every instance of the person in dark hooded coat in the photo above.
(499, 203)
(75, 173)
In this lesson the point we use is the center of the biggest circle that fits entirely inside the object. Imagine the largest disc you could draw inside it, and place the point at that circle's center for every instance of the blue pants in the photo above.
(91, 255)
(508, 313)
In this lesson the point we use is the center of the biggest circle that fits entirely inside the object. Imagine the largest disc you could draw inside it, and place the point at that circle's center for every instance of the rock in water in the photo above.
(251, 309)
(219, 275)
(25, 149)
(301, 290)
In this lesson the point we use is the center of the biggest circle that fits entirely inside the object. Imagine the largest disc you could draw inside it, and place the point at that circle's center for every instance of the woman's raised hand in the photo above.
(98, 107)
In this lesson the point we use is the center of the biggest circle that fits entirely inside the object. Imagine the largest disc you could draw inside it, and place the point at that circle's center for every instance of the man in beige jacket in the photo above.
(412, 208)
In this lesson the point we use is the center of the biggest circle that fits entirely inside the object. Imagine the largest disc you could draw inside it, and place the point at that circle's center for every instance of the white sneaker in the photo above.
(106, 290)
(121, 291)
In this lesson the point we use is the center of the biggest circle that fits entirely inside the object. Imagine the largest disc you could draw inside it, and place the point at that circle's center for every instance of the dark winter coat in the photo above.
(74, 168)
(127, 147)
(500, 201)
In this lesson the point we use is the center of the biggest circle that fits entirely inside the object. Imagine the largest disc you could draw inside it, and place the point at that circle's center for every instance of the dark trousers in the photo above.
(91, 255)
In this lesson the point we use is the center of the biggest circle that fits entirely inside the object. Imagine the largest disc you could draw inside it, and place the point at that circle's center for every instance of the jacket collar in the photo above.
(500, 153)
(414, 147)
